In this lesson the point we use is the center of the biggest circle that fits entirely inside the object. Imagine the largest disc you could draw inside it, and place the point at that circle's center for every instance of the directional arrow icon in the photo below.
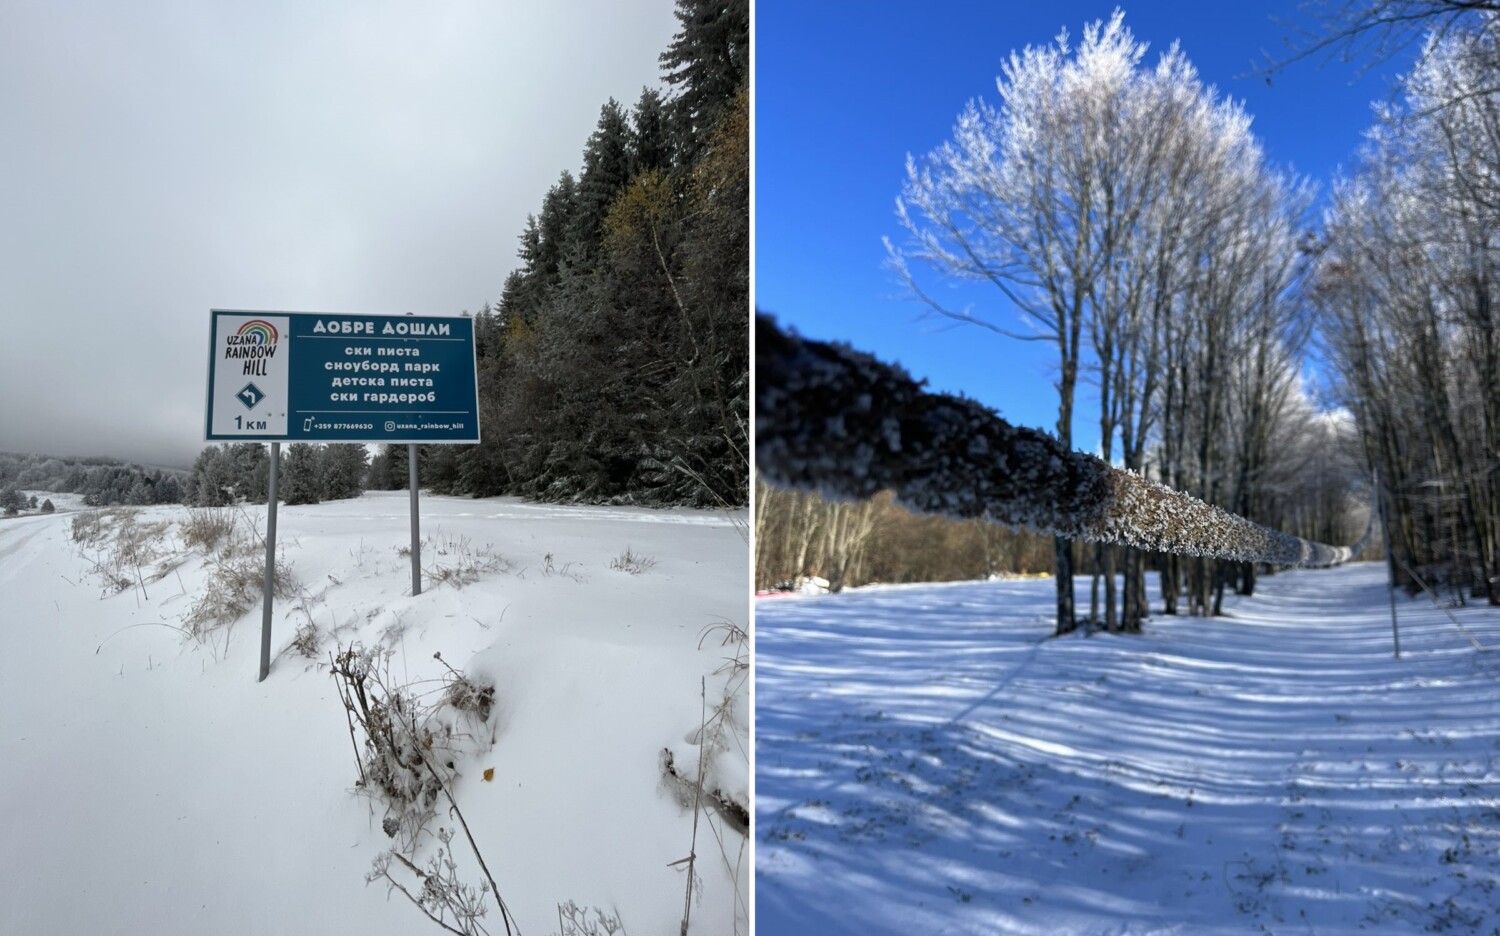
(250, 396)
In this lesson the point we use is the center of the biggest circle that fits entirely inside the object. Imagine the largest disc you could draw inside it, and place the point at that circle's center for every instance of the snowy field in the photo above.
(151, 785)
(926, 762)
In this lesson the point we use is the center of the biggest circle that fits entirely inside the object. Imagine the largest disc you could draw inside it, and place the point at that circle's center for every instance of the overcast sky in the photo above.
(161, 159)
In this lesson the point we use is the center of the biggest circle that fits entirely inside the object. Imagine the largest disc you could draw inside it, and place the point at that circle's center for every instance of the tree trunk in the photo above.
(1062, 550)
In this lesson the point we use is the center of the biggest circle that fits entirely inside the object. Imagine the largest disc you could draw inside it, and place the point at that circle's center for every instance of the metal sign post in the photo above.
(306, 377)
(416, 532)
(1390, 560)
(270, 587)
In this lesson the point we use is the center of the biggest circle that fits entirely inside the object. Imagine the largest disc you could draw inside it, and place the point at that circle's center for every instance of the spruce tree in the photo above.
(606, 170)
(650, 135)
(301, 479)
(212, 479)
(343, 470)
(708, 62)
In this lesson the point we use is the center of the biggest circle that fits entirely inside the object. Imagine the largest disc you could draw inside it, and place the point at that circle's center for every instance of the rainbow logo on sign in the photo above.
(257, 332)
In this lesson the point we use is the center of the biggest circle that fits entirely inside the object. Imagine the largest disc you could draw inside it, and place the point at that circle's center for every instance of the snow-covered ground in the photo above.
(927, 762)
(149, 784)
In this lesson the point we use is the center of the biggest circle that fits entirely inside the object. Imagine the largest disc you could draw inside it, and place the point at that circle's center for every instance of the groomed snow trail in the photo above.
(927, 762)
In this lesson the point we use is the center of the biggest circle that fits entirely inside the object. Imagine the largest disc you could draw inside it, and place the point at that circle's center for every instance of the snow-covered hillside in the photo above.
(150, 784)
(927, 762)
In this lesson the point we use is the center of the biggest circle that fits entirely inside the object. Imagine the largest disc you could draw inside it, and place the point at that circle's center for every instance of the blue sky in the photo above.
(843, 91)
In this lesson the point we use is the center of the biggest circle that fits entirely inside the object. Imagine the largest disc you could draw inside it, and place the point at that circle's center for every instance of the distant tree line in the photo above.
(308, 474)
(799, 534)
(103, 482)
(12, 502)
(615, 365)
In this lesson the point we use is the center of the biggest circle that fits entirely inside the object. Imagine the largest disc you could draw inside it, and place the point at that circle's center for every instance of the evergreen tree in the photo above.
(301, 479)
(543, 255)
(437, 467)
(251, 466)
(615, 365)
(606, 170)
(379, 477)
(650, 135)
(343, 470)
(31, 503)
(708, 62)
(47, 506)
(139, 494)
(211, 483)
(169, 491)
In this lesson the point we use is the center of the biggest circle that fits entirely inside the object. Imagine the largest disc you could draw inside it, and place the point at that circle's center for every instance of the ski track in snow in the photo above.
(927, 762)
(151, 785)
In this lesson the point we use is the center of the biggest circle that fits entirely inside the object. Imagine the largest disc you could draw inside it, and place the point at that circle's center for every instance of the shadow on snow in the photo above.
(927, 761)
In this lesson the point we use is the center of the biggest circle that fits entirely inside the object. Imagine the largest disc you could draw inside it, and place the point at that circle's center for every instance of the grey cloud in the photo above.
(163, 159)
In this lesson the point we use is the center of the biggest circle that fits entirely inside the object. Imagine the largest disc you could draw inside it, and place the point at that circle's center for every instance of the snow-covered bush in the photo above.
(88, 527)
(456, 561)
(206, 526)
(628, 561)
(121, 549)
(410, 746)
(236, 580)
(408, 759)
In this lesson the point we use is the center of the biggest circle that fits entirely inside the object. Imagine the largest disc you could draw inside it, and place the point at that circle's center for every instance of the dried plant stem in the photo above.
(687, 903)
(505, 916)
(349, 719)
(417, 903)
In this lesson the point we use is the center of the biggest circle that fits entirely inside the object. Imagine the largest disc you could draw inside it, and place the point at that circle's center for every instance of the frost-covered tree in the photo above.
(212, 480)
(1375, 30)
(251, 464)
(1115, 208)
(1409, 286)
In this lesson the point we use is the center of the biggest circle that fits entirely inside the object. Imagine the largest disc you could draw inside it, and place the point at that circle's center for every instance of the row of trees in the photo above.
(849, 543)
(12, 502)
(103, 482)
(1408, 284)
(1132, 218)
(227, 474)
(615, 367)
(799, 533)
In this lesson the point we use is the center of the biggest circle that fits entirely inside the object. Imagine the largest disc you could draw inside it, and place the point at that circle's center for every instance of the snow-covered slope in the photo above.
(150, 784)
(927, 762)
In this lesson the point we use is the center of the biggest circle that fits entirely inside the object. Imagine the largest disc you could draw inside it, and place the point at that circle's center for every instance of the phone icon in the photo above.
(307, 424)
